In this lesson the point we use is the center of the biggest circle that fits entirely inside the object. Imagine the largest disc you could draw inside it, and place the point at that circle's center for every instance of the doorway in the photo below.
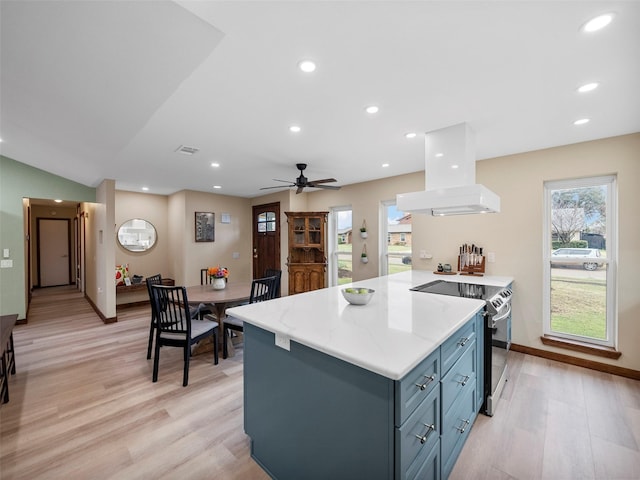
(266, 238)
(54, 252)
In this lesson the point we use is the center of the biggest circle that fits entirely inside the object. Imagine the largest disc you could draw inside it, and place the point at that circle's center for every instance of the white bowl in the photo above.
(358, 298)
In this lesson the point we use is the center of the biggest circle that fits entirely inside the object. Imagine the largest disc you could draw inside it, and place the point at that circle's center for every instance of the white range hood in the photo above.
(450, 175)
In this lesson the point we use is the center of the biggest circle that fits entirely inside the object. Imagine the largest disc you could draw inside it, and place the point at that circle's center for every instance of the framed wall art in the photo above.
(205, 227)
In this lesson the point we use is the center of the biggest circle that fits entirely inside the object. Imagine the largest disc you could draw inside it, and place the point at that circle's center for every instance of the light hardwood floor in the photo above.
(83, 407)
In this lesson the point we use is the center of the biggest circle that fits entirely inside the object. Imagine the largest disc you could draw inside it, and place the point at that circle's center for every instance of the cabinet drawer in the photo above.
(425, 468)
(460, 378)
(415, 386)
(455, 429)
(418, 436)
(456, 344)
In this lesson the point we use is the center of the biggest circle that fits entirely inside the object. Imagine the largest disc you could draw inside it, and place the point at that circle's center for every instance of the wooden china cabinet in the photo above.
(307, 260)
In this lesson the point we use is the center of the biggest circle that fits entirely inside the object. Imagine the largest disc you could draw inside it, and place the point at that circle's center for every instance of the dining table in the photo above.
(234, 293)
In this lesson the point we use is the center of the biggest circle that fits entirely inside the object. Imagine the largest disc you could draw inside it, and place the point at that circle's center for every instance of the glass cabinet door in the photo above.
(315, 230)
(299, 231)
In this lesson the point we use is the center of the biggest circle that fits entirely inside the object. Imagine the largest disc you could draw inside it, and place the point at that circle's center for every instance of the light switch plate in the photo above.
(283, 341)
(5, 253)
(6, 263)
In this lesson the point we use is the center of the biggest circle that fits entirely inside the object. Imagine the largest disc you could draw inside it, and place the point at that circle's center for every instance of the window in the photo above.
(396, 251)
(266, 222)
(340, 243)
(580, 260)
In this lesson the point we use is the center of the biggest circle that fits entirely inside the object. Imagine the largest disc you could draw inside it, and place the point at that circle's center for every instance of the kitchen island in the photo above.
(385, 390)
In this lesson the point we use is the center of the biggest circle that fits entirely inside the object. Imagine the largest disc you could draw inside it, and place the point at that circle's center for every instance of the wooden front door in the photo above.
(266, 238)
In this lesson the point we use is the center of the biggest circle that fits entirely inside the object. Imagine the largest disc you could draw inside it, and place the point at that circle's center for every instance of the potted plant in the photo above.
(363, 255)
(363, 230)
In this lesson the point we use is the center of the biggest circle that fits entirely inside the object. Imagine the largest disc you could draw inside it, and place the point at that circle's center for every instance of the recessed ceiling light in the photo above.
(0, 140)
(454, 166)
(145, 189)
(215, 164)
(57, 200)
(410, 135)
(294, 129)
(587, 87)
(597, 23)
(372, 109)
(385, 165)
(217, 186)
(438, 155)
(582, 121)
(307, 66)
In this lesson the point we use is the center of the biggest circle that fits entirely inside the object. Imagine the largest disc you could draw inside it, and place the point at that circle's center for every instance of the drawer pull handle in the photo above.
(423, 386)
(463, 427)
(423, 438)
(465, 380)
(463, 342)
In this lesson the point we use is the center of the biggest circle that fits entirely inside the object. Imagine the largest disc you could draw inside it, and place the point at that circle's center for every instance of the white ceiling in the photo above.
(97, 89)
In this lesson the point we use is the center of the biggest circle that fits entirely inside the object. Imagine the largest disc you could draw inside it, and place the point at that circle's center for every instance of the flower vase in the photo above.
(219, 283)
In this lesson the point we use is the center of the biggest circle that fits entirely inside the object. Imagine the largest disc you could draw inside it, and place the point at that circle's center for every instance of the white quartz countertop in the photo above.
(389, 336)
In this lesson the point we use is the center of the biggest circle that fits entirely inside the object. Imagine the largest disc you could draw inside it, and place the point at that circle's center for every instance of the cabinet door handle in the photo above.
(463, 342)
(423, 386)
(462, 428)
(423, 438)
(465, 380)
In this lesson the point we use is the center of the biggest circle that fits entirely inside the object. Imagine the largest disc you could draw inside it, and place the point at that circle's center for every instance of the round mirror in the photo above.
(137, 235)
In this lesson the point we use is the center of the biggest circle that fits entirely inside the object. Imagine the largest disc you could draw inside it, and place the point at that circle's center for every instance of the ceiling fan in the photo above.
(302, 181)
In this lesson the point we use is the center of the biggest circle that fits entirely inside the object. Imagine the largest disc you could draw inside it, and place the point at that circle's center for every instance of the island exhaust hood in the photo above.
(450, 175)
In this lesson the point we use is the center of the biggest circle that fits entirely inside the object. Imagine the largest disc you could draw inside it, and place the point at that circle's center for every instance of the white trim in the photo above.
(383, 263)
(332, 253)
(610, 261)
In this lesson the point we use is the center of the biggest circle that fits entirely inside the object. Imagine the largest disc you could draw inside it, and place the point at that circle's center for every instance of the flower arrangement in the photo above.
(218, 272)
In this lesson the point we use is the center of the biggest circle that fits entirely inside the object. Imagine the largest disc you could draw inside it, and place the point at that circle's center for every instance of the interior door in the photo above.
(54, 259)
(266, 238)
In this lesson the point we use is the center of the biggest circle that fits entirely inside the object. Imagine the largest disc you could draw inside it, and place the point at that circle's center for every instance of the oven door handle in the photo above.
(497, 319)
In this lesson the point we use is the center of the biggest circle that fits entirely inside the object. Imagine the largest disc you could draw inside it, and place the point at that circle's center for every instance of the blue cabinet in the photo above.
(461, 354)
(312, 416)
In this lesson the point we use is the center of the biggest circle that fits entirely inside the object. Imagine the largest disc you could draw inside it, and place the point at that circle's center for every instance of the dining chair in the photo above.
(262, 289)
(271, 272)
(176, 328)
(152, 280)
(204, 309)
(204, 276)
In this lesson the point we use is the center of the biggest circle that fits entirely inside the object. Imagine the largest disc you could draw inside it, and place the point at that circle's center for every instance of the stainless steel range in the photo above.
(497, 331)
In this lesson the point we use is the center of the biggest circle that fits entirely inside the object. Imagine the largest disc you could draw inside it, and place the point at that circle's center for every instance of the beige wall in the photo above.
(230, 238)
(365, 200)
(515, 234)
(176, 254)
(153, 209)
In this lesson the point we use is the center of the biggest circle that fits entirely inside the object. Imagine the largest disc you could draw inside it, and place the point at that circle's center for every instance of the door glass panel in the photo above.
(266, 222)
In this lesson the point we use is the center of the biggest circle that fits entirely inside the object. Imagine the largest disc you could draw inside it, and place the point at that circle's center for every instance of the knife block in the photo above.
(477, 270)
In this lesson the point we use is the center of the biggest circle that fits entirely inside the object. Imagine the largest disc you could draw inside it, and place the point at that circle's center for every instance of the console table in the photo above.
(136, 293)
(8, 362)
